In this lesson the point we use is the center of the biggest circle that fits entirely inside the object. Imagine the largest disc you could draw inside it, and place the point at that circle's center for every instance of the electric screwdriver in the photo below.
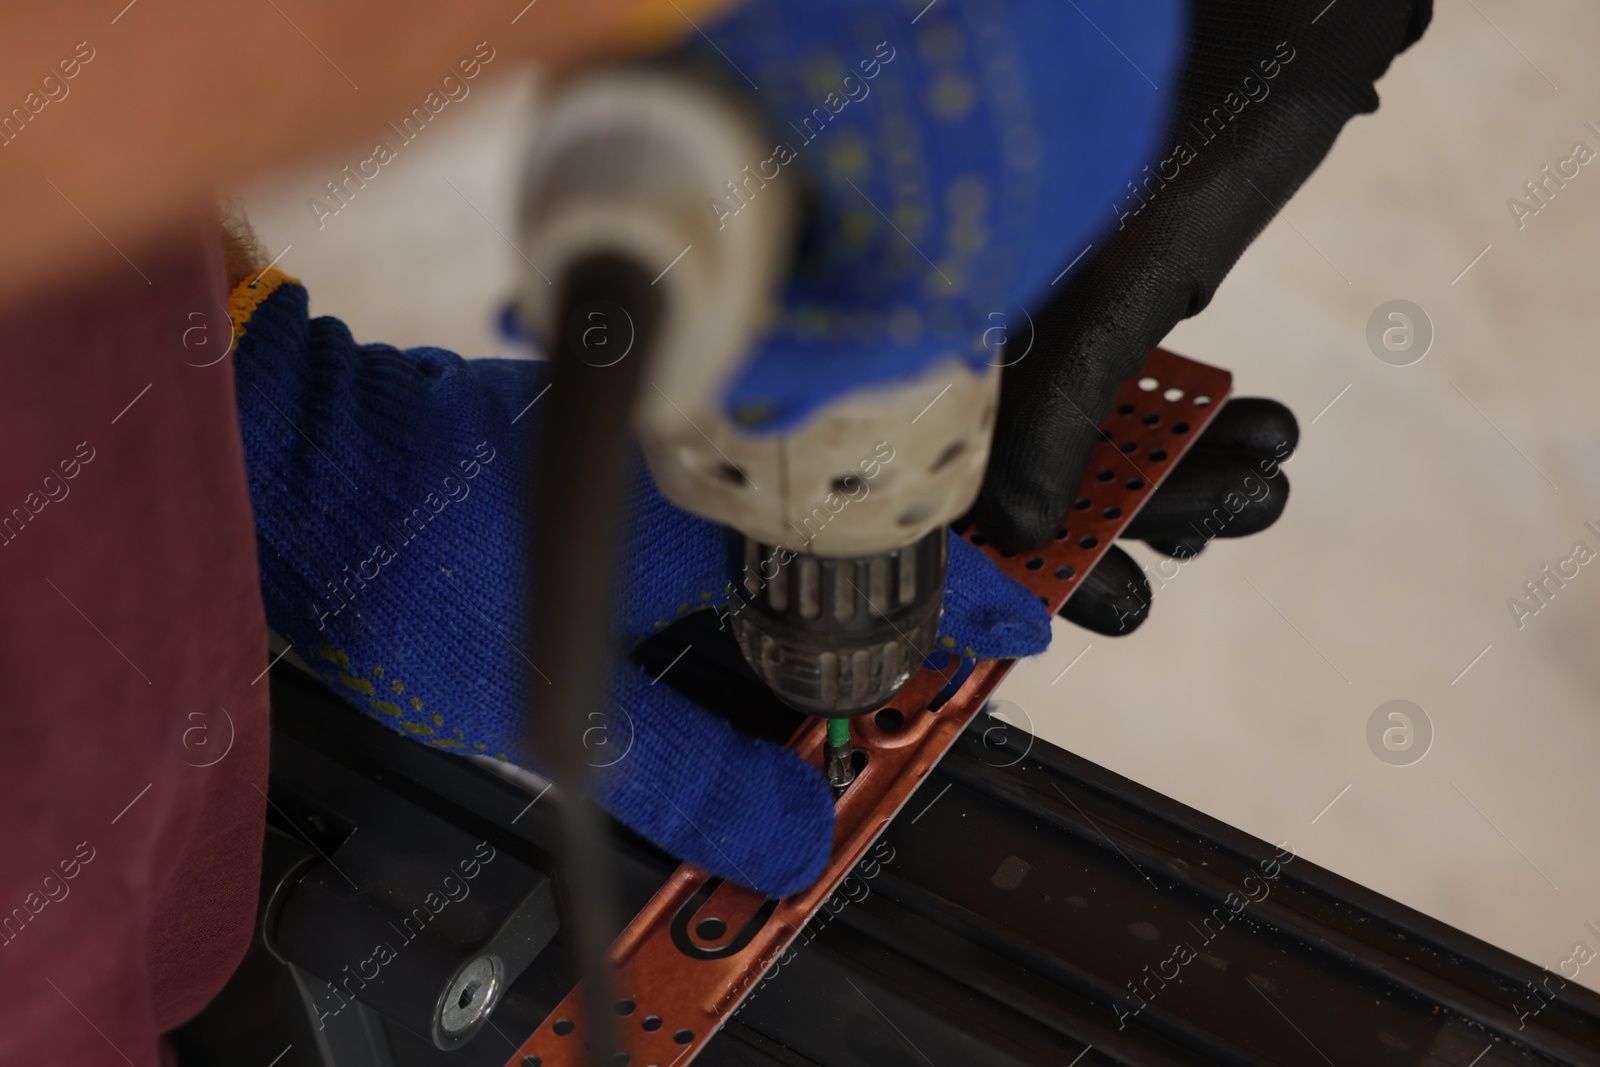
(835, 530)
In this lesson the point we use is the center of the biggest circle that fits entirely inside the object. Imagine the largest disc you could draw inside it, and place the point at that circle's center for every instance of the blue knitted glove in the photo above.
(388, 491)
(960, 156)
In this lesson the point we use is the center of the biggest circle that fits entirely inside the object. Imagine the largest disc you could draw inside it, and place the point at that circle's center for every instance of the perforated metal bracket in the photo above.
(697, 949)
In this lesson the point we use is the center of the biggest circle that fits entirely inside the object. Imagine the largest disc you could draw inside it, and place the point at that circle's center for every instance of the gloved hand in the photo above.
(1268, 86)
(388, 488)
(955, 157)
(1230, 484)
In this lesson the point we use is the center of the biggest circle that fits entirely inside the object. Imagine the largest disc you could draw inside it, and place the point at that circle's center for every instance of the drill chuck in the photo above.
(836, 637)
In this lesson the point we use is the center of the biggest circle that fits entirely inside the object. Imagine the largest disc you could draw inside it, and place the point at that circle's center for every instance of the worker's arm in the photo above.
(115, 122)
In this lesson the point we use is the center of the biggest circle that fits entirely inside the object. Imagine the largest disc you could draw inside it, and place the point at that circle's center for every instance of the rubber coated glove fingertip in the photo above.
(750, 811)
(986, 613)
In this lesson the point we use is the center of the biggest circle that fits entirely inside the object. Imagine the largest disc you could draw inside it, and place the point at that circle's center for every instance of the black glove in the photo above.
(1268, 86)
(1228, 485)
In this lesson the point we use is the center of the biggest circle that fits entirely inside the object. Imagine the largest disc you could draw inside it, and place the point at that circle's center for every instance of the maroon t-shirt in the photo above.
(133, 721)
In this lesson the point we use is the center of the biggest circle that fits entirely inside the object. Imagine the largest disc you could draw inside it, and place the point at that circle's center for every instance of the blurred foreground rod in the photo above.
(581, 474)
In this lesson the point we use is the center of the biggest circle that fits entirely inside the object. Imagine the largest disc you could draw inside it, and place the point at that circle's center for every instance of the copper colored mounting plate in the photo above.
(676, 987)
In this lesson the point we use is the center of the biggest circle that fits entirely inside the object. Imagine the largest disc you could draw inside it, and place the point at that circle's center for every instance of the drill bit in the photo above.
(838, 764)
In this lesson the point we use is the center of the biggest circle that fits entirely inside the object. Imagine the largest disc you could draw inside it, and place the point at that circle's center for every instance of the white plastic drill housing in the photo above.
(631, 161)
